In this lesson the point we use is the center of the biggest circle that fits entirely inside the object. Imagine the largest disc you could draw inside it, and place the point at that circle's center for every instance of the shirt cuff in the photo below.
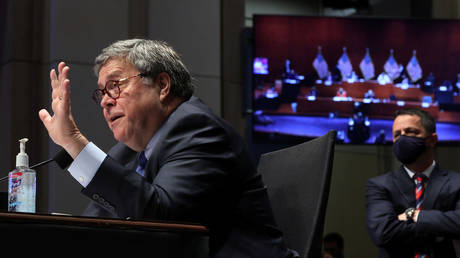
(86, 164)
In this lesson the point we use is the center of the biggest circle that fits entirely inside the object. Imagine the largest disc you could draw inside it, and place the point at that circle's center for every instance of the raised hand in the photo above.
(61, 126)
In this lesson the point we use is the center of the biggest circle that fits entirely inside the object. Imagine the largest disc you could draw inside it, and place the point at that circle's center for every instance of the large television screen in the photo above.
(315, 74)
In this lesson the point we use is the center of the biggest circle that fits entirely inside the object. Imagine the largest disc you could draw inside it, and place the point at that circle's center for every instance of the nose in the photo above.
(107, 101)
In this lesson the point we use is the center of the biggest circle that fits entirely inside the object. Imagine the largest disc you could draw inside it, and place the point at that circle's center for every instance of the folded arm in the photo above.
(440, 223)
(383, 224)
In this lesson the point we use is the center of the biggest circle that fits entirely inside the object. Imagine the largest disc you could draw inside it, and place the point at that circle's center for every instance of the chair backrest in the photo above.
(298, 180)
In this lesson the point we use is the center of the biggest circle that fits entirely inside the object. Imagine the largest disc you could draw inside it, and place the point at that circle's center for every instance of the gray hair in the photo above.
(151, 57)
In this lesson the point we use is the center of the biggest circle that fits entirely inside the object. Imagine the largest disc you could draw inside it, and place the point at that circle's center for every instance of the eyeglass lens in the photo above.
(112, 88)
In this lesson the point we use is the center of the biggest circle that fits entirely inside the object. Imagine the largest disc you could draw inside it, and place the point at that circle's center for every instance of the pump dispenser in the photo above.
(22, 183)
(22, 160)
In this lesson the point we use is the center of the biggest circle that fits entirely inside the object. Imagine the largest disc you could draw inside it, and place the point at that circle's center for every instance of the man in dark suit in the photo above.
(175, 159)
(414, 210)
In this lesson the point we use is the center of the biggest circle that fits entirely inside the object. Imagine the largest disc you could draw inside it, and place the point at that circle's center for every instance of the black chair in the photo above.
(298, 180)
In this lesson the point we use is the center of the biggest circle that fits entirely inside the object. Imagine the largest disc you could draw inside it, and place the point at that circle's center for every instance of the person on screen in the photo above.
(369, 94)
(446, 86)
(457, 84)
(380, 138)
(341, 93)
(175, 159)
(314, 92)
(384, 78)
(414, 210)
(429, 83)
(402, 78)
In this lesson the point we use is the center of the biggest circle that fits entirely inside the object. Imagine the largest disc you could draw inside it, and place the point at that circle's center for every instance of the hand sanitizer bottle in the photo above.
(22, 183)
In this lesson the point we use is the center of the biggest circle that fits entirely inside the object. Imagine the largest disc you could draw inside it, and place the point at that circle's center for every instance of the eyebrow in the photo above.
(409, 129)
(111, 77)
(114, 74)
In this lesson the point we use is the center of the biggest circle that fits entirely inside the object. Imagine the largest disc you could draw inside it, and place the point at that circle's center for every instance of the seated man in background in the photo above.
(414, 211)
(175, 159)
(333, 245)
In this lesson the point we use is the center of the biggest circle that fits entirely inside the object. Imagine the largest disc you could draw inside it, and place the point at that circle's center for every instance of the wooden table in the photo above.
(69, 235)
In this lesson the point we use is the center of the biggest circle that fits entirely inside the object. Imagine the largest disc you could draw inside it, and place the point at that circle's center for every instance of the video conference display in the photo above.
(314, 74)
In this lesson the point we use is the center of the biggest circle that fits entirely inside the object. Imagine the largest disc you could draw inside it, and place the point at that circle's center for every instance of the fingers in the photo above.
(63, 74)
(60, 85)
(53, 78)
(60, 82)
(60, 125)
(65, 98)
(61, 67)
(45, 117)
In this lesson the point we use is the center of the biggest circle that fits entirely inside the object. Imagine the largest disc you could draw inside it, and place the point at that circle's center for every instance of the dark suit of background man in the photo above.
(392, 220)
(197, 168)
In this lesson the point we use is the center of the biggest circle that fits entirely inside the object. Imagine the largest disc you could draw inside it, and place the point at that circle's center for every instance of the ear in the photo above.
(164, 82)
(432, 140)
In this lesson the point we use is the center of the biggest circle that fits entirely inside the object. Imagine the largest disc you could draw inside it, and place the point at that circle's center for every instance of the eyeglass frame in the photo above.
(98, 94)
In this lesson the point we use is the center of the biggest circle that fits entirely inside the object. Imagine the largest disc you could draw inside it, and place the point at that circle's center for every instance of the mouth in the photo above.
(114, 118)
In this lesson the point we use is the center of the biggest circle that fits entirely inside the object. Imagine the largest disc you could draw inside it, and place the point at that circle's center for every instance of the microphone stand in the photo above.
(62, 158)
(33, 166)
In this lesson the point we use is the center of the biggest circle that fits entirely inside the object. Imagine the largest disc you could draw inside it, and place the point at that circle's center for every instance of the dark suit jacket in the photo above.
(438, 222)
(199, 171)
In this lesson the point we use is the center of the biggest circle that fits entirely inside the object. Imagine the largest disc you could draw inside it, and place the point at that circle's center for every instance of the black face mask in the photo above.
(408, 148)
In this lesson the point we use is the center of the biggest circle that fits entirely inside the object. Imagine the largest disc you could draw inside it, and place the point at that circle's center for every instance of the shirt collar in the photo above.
(154, 141)
(427, 171)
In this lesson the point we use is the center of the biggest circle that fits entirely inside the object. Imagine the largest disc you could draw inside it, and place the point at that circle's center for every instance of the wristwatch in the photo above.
(410, 213)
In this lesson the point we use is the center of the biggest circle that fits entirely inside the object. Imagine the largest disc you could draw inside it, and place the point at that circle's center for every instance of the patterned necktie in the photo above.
(419, 194)
(142, 161)
(419, 190)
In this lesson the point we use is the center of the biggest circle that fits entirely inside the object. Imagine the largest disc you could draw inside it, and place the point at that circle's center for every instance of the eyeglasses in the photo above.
(112, 89)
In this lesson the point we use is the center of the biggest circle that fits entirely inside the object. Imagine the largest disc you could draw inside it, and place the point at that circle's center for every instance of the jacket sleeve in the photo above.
(444, 221)
(382, 219)
(199, 171)
(194, 159)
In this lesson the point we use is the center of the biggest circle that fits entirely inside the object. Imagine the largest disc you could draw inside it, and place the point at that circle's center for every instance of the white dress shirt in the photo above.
(427, 171)
(88, 161)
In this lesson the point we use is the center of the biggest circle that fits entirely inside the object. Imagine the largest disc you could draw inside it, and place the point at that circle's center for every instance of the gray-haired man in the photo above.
(196, 168)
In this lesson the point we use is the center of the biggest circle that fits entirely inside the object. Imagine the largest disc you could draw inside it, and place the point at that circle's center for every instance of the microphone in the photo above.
(62, 158)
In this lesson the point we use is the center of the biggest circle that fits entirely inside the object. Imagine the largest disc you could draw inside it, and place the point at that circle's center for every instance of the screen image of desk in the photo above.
(309, 117)
(351, 75)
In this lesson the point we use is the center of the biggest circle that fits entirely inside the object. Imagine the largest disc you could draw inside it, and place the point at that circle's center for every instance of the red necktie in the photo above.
(419, 190)
(419, 194)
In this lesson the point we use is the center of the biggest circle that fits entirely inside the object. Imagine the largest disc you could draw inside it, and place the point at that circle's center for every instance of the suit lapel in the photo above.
(132, 164)
(153, 164)
(436, 181)
(151, 169)
(405, 186)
